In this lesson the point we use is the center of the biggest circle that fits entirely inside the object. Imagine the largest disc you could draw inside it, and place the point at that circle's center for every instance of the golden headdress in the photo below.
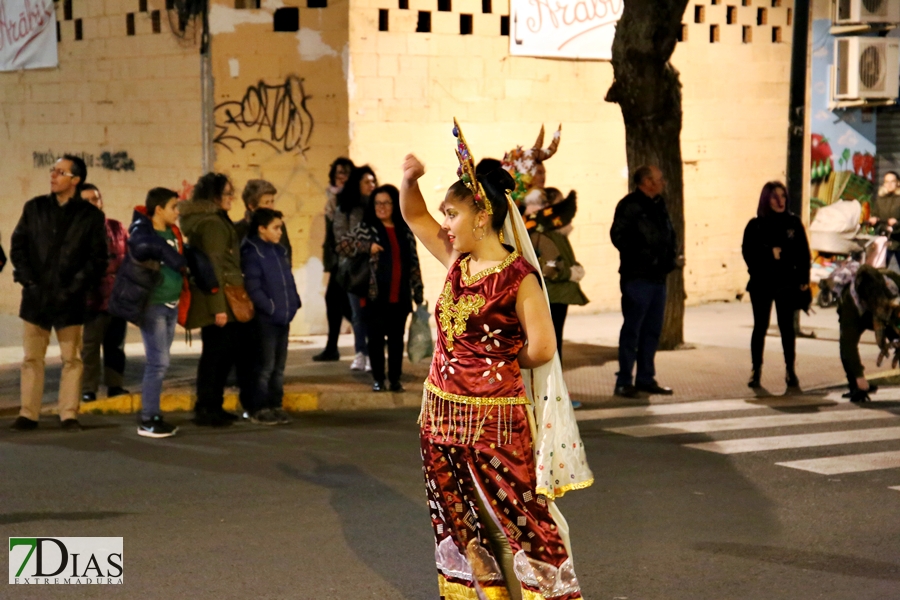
(466, 170)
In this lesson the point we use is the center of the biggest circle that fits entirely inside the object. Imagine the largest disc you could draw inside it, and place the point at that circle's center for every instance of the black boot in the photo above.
(755, 377)
(858, 396)
(791, 378)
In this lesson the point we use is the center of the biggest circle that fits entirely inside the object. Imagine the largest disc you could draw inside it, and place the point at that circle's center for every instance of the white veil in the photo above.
(560, 461)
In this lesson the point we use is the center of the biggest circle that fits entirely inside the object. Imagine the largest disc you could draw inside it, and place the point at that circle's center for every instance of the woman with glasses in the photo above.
(226, 342)
(395, 280)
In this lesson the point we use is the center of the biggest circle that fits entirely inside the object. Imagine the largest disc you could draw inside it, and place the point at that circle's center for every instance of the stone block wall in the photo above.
(407, 86)
(129, 104)
(287, 103)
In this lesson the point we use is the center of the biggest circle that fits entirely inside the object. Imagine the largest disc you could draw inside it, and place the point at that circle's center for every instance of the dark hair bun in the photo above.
(497, 183)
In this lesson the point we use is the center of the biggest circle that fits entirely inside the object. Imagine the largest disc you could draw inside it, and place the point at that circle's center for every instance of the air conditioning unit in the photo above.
(866, 68)
(866, 11)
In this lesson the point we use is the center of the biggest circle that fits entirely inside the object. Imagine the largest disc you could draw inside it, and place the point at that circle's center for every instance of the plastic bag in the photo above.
(420, 345)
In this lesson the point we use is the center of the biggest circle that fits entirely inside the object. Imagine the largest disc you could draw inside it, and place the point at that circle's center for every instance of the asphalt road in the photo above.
(332, 506)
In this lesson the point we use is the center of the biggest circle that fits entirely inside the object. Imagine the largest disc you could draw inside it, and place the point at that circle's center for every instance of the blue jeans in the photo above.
(273, 358)
(158, 331)
(643, 307)
(359, 324)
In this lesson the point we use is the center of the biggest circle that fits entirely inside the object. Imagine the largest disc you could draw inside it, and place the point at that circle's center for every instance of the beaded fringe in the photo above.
(459, 423)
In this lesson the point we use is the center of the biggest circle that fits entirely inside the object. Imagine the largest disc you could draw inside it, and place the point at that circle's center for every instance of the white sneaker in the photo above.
(359, 362)
(368, 365)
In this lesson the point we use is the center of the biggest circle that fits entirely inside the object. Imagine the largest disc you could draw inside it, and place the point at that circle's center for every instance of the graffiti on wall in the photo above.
(187, 189)
(274, 115)
(116, 161)
(111, 161)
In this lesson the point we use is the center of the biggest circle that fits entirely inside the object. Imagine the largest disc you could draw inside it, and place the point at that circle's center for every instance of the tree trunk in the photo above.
(648, 91)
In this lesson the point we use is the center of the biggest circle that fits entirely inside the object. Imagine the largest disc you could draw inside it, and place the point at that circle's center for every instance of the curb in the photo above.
(294, 402)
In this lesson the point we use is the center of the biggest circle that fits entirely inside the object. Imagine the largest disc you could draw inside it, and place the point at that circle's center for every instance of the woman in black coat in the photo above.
(777, 254)
(395, 281)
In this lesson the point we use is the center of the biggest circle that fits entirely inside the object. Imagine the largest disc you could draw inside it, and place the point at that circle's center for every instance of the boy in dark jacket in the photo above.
(270, 285)
(152, 292)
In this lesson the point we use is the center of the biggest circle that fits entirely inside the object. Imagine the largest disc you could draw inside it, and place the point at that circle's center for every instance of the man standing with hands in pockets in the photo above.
(643, 233)
(59, 253)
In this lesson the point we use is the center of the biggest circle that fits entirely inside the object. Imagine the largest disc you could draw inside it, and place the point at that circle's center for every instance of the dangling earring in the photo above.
(483, 232)
(502, 241)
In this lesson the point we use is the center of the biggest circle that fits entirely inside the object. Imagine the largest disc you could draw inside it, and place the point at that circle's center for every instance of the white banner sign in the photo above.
(564, 28)
(27, 34)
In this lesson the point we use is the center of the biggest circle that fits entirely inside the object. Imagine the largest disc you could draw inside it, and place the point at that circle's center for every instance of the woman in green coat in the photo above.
(549, 229)
(226, 342)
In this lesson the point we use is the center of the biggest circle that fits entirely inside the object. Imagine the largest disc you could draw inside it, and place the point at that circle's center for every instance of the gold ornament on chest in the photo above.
(453, 314)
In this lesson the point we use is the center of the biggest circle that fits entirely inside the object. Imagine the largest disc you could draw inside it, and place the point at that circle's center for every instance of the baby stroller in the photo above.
(837, 242)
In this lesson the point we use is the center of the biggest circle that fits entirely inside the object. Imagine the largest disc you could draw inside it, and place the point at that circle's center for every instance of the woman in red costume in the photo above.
(495, 533)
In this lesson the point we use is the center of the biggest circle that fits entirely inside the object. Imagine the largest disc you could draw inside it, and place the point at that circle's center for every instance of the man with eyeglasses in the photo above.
(58, 253)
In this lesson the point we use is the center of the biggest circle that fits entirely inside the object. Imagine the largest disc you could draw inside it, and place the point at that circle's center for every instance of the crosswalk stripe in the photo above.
(807, 440)
(684, 408)
(735, 424)
(855, 463)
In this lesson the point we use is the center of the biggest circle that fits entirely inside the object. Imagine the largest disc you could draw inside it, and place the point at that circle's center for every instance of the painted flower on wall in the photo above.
(820, 155)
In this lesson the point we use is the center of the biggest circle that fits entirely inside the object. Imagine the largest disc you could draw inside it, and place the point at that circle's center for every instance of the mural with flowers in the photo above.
(842, 148)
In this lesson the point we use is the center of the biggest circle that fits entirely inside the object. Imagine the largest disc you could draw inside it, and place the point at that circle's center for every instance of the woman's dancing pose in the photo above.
(489, 479)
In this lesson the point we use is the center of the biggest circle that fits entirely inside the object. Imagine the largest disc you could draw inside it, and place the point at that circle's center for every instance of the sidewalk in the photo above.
(717, 365)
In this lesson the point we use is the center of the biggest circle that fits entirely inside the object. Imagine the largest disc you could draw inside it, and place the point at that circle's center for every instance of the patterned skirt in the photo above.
(480, 475)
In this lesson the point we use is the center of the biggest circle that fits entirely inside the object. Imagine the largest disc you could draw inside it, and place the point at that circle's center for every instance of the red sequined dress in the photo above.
(477, 446)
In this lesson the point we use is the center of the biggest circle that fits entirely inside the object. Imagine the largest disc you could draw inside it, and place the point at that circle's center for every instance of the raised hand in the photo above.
(412, 168)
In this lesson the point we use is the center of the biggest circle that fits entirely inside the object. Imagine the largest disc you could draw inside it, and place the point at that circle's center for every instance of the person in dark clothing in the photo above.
(227, 342)
(271, 287)
(259, 193)
(101, 329)
(337, 304)
(777, 254)
(870, 301)
(395, 280)
(351, 206)
(645, 238)
(59, 254)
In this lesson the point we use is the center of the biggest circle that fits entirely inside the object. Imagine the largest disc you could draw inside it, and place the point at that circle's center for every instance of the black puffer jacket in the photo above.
(139, 273)
(645, 238)
(58, 254)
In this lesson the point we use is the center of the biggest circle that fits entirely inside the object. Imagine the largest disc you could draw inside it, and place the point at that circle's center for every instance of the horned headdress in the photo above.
(522, 164)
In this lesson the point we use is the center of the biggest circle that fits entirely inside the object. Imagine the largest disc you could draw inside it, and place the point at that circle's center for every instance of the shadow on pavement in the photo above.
(587, 355)
(837, 564)
(30, 517)
(653, 503)
(355, 497)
